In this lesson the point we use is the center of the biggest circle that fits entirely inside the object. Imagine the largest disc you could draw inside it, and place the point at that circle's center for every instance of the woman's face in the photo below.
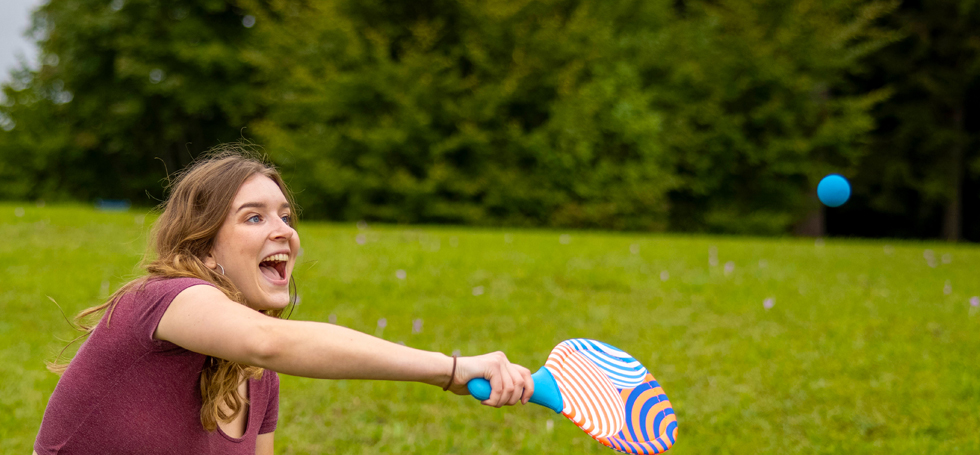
(256, 244)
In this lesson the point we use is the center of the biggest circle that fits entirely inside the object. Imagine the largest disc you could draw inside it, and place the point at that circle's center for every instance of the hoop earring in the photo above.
(222, 268)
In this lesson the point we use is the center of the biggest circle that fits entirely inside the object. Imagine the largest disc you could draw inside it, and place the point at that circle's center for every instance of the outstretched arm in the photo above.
(202, 319)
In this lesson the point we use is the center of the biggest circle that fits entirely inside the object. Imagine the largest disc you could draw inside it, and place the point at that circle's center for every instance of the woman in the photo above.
(184, 360)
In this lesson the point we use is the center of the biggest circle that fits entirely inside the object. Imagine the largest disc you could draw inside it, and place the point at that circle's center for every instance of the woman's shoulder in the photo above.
(156, 288)
(167, 285)
(146, 299)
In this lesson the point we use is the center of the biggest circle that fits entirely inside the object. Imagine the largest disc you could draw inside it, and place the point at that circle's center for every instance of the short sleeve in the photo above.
(151, 302)
(272, 409)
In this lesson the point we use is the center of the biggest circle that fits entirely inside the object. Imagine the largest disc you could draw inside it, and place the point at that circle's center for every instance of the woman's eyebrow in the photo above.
(259, 205)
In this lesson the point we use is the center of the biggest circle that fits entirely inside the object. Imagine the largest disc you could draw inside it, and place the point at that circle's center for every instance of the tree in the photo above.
(121, 85)
(924, 156)
(754, 114)
(514, 112)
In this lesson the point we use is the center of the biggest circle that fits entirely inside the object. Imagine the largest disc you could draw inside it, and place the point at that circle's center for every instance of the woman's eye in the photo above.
(287, 219)
(254, 219)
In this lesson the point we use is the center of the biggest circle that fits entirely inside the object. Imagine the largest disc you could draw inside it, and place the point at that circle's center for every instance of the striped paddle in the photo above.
(605, 392)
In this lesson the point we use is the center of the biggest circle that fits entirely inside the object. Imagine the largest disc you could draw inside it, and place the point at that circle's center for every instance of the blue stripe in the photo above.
(645, 411)
(593, 345)
(670, 431)
(618, 442)
(661, 415)
(630, 401)
(608, 360)
(630, 445)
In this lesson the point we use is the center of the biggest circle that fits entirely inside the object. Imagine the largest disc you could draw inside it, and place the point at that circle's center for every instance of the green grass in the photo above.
(863, 350)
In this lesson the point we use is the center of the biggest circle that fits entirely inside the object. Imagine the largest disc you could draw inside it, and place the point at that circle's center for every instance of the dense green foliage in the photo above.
(866, 348)
(922, 173)
(619, 114)
(690, 115)
(121, 86)
(527, 113)
(753, 116)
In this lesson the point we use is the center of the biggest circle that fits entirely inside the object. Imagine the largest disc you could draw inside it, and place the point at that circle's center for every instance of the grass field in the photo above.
(865, 347)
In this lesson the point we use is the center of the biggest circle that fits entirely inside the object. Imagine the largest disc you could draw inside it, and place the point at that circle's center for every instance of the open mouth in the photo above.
(274, 266)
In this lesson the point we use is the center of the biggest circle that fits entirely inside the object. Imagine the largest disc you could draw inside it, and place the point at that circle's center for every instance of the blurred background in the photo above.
(645, 115)
(588, 168)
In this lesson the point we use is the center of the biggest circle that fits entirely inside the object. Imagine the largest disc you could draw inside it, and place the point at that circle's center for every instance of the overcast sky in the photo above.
(14, 20)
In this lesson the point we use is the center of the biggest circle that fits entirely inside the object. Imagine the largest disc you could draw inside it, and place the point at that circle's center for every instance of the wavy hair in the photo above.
(182, 237)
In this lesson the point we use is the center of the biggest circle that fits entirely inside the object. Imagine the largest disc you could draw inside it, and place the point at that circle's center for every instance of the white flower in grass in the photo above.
(508, 238)
(889, 250)
(362, 225)
(635, 248)
(729, 267)
(664, 276)
(947, 258)
(713, 256)
(948, 288)
(456, 352)
(763, 263)
(564, 239)
(361, 239)
(549, 425)
(400, 274)
(818, 242)
(930, 258)
(19, 212)
(768, 303)
(417, 325)
(332, 319)
(382, 323)
(478, 290)
(975, 301)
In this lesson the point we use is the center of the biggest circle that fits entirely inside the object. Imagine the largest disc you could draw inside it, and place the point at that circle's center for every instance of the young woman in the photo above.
(184, 360)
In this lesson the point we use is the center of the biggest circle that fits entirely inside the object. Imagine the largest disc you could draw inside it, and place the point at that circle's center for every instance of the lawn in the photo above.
(764, 345)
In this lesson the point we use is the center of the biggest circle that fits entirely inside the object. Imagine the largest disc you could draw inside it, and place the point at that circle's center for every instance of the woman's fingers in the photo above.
(503, 387)
(528, 384)
(509, 382)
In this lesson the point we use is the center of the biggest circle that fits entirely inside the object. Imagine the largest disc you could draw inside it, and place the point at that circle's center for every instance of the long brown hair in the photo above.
(182, 238)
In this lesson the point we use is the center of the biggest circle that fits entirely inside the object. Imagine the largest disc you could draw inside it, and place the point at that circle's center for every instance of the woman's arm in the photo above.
(202, 319)
(264, 444)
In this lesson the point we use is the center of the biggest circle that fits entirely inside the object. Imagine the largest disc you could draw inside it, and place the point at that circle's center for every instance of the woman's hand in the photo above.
(509, 382)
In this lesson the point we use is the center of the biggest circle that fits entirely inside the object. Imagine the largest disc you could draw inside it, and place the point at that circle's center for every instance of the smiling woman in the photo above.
(184, 359)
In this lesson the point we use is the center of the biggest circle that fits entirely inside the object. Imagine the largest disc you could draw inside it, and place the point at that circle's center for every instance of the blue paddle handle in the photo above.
(546, 391)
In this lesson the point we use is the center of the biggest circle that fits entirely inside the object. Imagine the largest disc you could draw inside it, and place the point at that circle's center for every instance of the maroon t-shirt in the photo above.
(125, 392)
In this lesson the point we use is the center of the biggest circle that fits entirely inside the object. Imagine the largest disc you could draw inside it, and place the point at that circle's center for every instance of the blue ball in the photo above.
(834, 190)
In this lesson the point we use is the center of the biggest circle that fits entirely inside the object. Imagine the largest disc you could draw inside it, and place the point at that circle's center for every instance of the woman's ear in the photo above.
(210, 262)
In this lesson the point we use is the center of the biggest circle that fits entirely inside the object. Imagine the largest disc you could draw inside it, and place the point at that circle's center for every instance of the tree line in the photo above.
(682, 115)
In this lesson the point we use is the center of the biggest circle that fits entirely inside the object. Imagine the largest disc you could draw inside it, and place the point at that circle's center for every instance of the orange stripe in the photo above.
(666, 421)
(638, 408)
(581, 401)
(599, 390)
(655, 432)
(611, 404)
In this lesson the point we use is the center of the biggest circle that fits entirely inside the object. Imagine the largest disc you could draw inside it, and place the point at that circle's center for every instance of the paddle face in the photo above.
(612, 397)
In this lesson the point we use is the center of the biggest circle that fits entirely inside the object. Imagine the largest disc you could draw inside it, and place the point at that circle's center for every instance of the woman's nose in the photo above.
(283, 230)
